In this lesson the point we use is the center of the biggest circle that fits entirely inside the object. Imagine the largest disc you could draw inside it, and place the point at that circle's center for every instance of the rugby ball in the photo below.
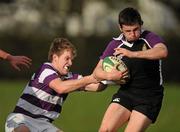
(111, 61)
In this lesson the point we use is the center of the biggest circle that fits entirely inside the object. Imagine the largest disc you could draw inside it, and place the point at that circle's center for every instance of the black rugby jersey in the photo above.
(143, 72)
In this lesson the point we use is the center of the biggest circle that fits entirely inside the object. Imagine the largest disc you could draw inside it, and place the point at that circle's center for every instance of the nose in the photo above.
(132, 33)
(70, 62)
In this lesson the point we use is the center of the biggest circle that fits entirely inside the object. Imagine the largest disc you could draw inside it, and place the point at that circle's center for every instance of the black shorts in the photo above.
(147, 102)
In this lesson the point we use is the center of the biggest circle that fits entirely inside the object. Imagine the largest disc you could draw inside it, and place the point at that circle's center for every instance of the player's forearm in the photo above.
(3, 54)
(100, 74)
(95, 87)
(159, 52)
(71, 85)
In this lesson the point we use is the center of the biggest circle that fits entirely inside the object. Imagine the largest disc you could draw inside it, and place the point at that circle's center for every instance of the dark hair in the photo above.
(59, 45)
(130, 16)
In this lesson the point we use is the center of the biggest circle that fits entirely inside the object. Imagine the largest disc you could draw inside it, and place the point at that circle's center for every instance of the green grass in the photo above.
(83, 111)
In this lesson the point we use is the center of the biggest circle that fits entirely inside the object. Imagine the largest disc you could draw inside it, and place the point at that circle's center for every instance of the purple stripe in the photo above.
(45, 86)
(41, 104)
(42, 87)
(49, 78)
(23, 111)
(42, 67)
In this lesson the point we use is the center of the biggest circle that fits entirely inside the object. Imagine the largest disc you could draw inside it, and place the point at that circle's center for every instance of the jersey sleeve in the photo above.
(109, 49)
(71, 76)
(47, 76)
(153, 39)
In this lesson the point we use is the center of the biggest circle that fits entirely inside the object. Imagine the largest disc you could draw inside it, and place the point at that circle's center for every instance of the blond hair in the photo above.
(59, 45)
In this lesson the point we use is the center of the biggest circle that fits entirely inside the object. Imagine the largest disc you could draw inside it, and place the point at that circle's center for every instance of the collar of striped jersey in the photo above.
(63, 77)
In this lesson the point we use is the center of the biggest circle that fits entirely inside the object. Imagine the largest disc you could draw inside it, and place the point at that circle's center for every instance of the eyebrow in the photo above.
(127, 30)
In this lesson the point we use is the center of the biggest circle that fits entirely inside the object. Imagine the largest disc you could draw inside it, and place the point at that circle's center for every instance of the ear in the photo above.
(120, 28)
(55, 57)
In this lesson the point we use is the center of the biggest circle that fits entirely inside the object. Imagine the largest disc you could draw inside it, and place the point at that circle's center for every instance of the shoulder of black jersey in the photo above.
(145, 33)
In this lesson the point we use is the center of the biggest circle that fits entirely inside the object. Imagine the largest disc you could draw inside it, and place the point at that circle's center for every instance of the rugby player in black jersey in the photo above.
(138, 102)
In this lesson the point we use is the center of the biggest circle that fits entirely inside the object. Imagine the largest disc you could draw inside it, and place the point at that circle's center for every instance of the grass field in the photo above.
(83, 111)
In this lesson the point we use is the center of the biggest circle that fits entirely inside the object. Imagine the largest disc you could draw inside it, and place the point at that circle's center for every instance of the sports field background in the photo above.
(83, 111)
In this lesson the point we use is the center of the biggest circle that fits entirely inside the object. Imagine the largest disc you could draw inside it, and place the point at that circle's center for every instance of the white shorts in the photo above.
(15, 120)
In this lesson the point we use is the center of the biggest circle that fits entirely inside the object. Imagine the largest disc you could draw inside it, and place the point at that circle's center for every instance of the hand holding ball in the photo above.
(112, 61)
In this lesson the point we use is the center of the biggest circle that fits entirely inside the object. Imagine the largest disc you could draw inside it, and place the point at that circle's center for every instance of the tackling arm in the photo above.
(71, 85)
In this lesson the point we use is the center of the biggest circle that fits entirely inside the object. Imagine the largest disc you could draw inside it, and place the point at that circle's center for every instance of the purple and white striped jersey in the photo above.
(38, 99)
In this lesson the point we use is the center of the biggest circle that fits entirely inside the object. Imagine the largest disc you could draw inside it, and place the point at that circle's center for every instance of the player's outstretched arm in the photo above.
(16, 61)
(71, 85)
